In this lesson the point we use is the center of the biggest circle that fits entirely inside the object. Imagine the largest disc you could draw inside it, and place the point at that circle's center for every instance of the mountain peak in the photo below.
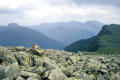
(13, 25)
(93, 22)
(107, 40)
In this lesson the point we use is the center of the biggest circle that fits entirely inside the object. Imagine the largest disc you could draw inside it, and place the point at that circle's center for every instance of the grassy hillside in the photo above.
(108, 40)
(79, 45)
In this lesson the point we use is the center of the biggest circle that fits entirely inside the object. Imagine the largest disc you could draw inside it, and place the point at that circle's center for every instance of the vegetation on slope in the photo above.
(107, 41)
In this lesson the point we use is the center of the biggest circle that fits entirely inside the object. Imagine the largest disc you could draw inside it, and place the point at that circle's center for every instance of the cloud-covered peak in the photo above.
(13, 25)
(30, 12)
(98, 2)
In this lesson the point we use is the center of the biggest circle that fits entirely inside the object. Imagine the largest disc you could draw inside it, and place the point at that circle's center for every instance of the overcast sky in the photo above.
(30, 12)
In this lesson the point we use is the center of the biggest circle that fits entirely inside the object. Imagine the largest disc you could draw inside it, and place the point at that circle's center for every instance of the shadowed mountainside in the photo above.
(108, 39)
(14, 35)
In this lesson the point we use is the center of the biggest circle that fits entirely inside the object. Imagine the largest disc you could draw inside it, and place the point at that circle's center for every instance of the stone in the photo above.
(72, 78)
(23, 58)
(20, 78)
(10, 71)
(26, 75)
(54, 74)
(57, 74)
(38, 70)
(34, 46)
(19, 64)
(34, 78)
(75, 58)
(49, 64)
(20, 48)
(37, 52)
(38, 61)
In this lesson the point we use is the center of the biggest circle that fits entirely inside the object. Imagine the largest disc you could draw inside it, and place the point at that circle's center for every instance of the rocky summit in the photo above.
(20, 63)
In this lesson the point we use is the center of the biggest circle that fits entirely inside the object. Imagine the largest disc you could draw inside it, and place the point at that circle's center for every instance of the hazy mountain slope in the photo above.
(79, 45)
(14, 35)
(68, 32)
(107, 39)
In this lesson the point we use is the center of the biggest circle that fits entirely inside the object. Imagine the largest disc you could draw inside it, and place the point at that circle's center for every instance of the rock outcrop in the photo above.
(19, 63)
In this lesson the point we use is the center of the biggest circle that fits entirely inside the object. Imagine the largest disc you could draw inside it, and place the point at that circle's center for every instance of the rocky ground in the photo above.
(19, 63)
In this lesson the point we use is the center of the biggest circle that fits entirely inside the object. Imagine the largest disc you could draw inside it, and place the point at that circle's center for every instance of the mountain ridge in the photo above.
(107, 39)
(24, 36)
(68, 32)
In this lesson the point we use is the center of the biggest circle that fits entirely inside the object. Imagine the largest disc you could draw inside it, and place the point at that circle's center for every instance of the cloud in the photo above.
(99, 2)
(28, 12)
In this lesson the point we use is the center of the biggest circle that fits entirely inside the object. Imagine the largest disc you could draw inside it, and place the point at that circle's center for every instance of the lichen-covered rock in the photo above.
(19, 63)
(49, 64)
(27, 75)
(34, 78)
(75, 58)
(37, 51)
(34, 46)
(11, 71)
(72, 78)
(55, 74)
(20, 48)
(38, 61)
(38, 70)
(23, 58)
(69, 70)
(20, 78)
(115, 77)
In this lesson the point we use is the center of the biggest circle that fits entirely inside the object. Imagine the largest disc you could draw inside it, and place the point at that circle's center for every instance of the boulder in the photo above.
(27, 75)
(35, 46)
(10, 71)
(75, 58)
(55, 74)
(38, 61)
(20, 48)
(20, 78)
(38, 52)
(23, 58)
(38, 70)
(49, 64)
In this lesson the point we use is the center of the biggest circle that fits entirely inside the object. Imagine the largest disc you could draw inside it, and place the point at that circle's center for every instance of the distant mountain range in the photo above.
(16, 35)
(68, 32)
(107, 40)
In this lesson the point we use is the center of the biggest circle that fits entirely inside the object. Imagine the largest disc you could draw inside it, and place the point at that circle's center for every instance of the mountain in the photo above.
(14, 35)
(108, 39)
(68, 32)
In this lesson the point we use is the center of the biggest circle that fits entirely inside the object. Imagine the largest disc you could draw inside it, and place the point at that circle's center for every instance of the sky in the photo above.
(34, 12)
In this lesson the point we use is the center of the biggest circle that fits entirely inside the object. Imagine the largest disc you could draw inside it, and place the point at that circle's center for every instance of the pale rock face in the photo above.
(29, 75)
(20, 78)
(57, 74)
